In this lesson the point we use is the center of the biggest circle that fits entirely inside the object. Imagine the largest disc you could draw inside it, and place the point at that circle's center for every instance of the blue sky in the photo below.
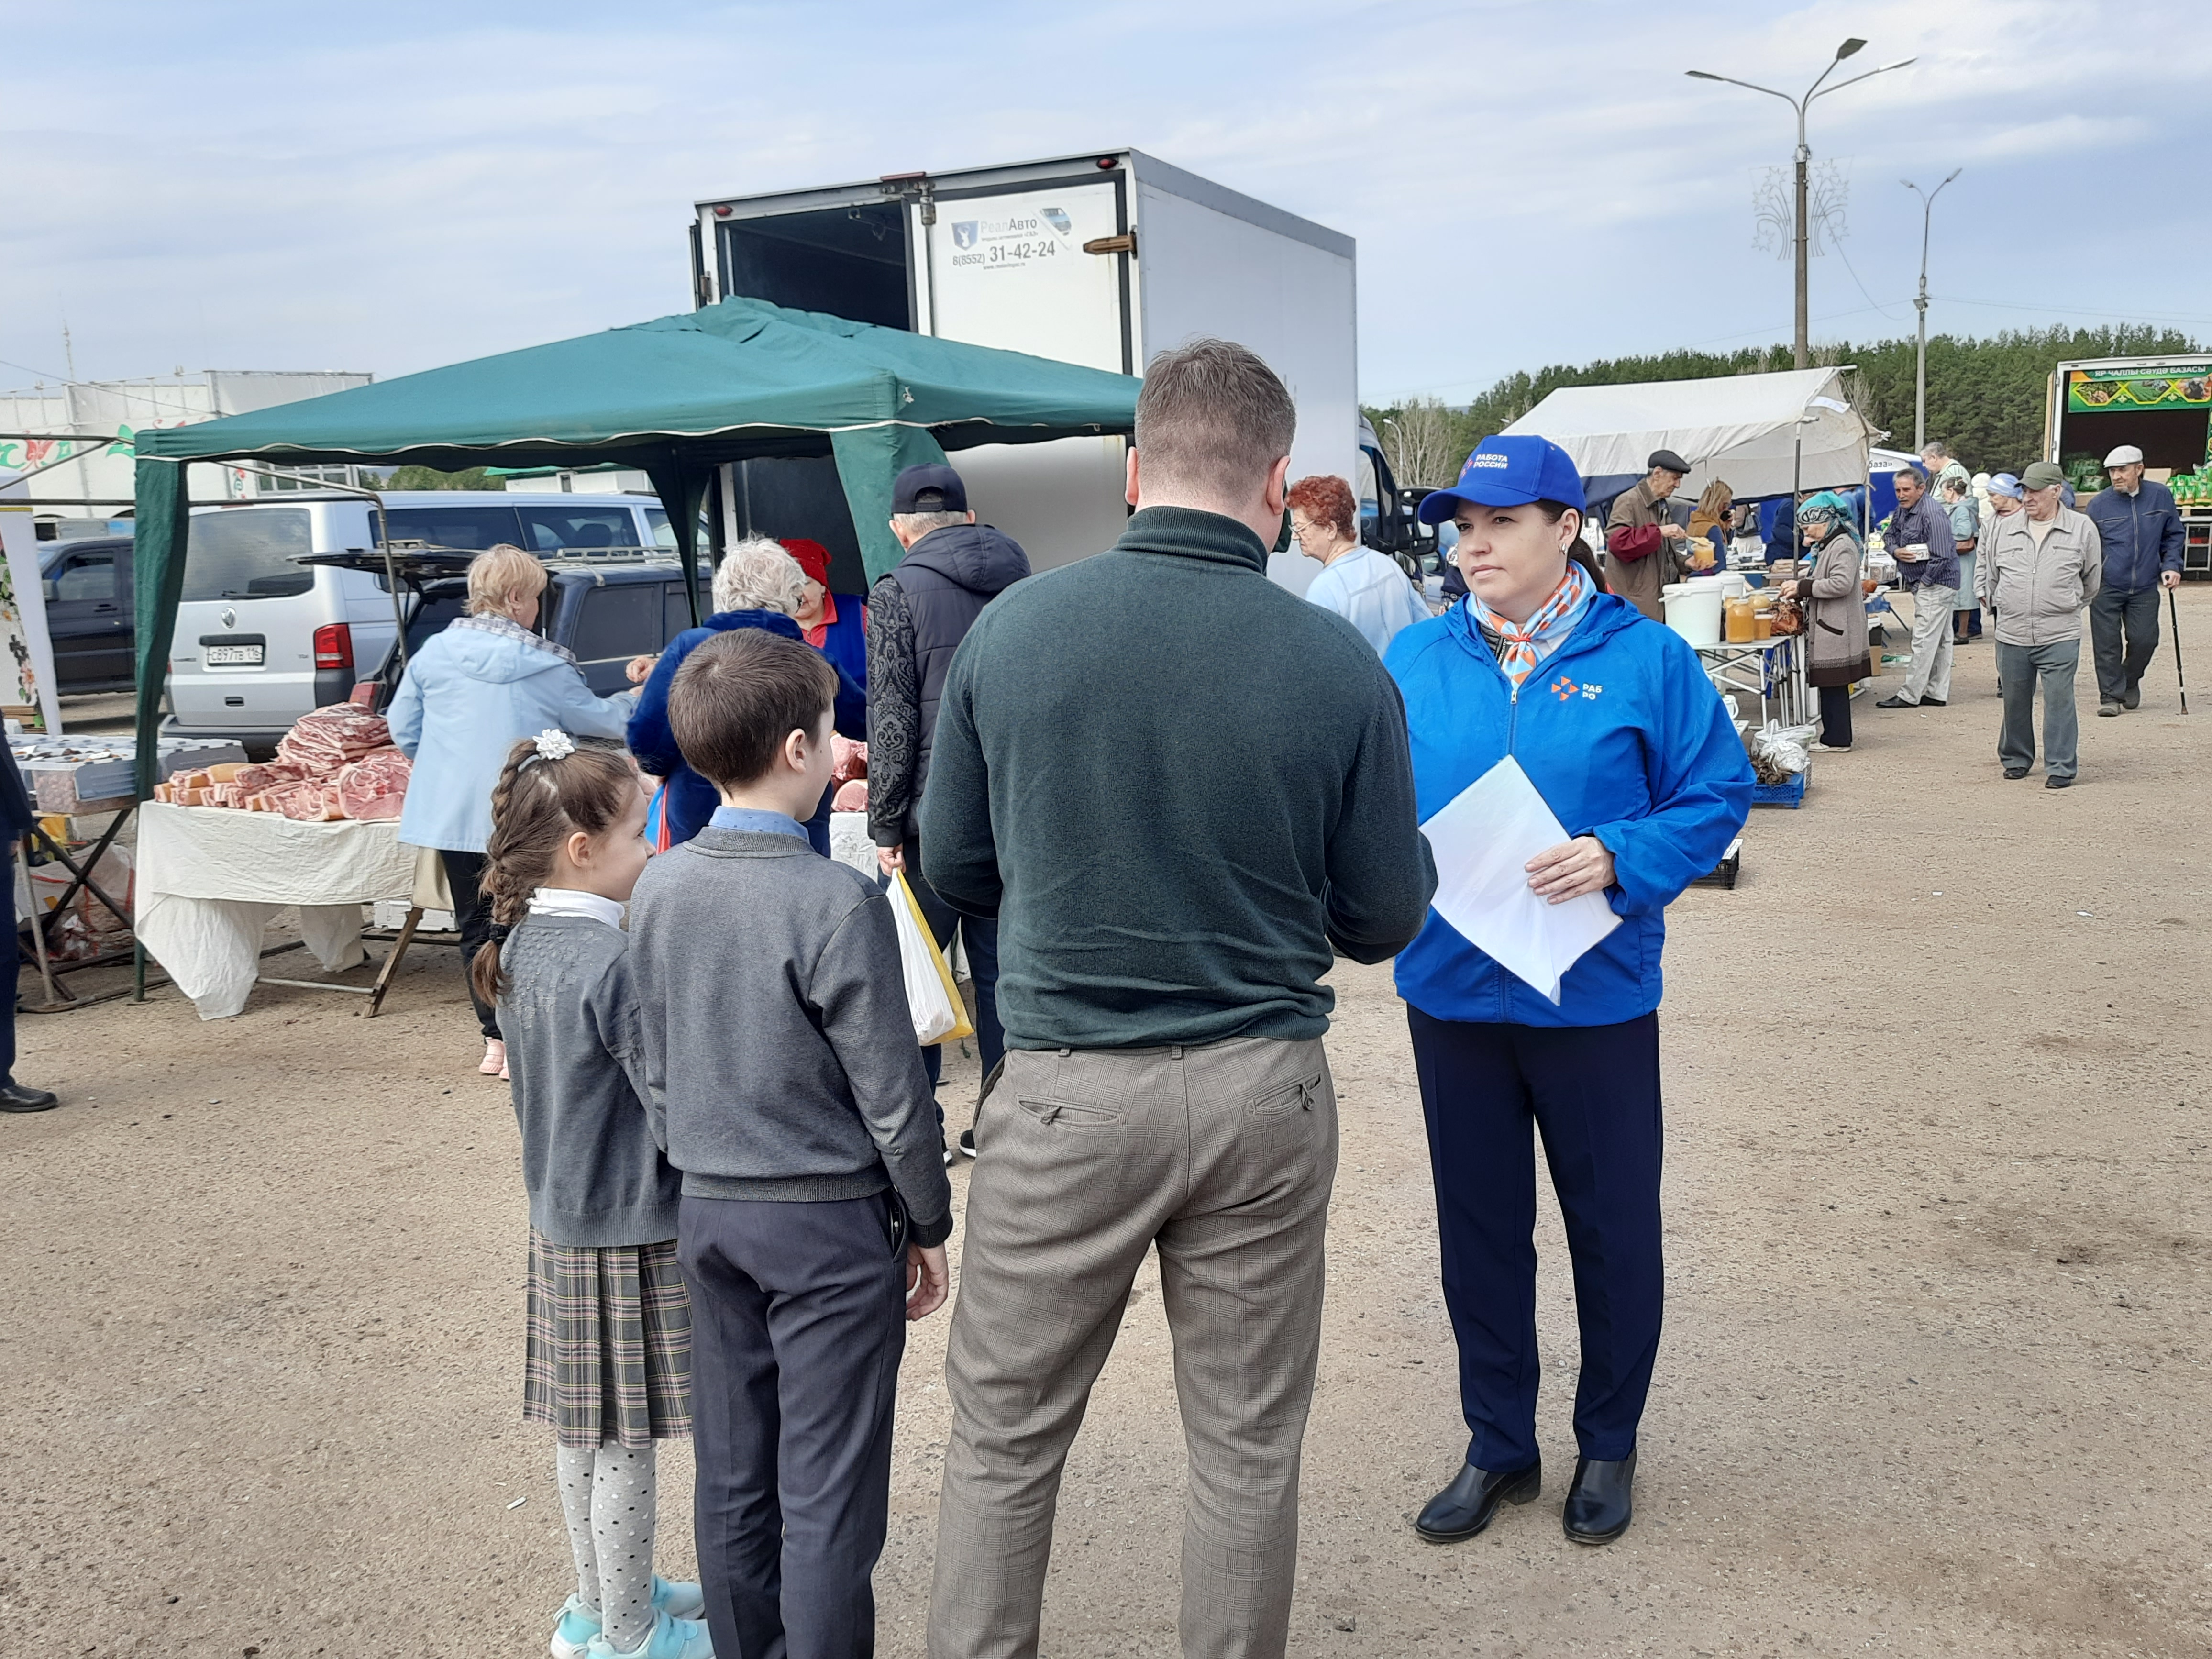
(391, 187)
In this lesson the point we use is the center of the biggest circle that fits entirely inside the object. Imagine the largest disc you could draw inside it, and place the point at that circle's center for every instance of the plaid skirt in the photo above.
(607, 1354)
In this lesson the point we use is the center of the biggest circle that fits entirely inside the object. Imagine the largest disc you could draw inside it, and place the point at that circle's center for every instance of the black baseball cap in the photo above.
(931, 487)
(1669, 459)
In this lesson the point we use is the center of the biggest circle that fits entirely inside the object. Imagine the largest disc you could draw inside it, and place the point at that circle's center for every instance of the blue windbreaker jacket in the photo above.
(2142, 534)
(1625, 738)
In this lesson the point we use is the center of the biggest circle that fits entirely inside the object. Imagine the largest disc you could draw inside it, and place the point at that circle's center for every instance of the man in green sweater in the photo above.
(1176, 786)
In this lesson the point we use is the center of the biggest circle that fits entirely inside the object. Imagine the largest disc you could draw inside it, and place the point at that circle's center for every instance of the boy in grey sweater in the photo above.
(815, 1207)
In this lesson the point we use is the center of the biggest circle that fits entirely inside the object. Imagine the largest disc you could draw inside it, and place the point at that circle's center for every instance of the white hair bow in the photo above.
(554, 744)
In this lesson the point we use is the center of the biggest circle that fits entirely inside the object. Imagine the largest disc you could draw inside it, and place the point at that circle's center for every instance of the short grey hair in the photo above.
(757, 574)
(1212, 419)
(918, 525)
(1936, 447)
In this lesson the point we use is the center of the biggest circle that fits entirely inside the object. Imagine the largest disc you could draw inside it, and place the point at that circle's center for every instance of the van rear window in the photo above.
(468, 528)
(246, 553)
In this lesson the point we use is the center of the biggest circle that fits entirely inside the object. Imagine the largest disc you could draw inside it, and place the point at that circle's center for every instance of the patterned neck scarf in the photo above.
(507, 629)
(1521, 646)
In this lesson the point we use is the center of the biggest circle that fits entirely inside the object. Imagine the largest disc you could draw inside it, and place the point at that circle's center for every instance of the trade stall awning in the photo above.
(1745, 428)
(676, 397)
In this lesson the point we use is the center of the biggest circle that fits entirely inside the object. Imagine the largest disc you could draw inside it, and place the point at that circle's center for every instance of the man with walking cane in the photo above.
(2141, 528)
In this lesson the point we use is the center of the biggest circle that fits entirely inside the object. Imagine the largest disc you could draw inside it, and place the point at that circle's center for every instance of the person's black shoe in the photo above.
(1934, 702)
(1895, 702)
(15, 1097)
(2111, 711)
(966, 1143)
(1598, 1507)
(2132, 698)
(2057, 783)
(2015, 772)
(1465, 1507)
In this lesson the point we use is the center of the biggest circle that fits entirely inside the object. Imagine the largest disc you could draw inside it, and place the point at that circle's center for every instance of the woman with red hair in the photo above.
(1365, 588)
(835, 624)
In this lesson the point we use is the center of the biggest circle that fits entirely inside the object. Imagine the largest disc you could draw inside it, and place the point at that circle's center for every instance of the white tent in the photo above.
(1743, 428)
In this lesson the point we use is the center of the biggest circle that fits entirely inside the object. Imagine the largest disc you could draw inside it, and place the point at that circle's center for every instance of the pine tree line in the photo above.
(1985, 397)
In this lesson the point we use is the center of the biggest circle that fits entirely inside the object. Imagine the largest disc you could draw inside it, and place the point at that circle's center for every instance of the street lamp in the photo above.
(1804, 156)
(1920, 381)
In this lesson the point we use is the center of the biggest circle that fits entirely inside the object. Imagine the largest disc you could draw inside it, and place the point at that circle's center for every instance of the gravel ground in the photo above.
(1934, 1380)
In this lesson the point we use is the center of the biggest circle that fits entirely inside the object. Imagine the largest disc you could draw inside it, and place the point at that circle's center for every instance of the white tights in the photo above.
(607, 1496)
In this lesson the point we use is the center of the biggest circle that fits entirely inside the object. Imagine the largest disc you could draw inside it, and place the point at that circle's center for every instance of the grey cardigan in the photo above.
(1835, 614)
(590, 1160)
(775, 1030)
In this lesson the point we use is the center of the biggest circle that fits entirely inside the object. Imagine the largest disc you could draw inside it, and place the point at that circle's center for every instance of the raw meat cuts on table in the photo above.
(373, 787)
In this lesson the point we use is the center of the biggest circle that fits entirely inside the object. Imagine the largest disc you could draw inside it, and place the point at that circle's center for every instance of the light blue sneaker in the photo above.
(572, 1636)
(669, 1638)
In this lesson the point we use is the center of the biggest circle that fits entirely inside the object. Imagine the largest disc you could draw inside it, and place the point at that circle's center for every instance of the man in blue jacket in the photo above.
(2141, 530)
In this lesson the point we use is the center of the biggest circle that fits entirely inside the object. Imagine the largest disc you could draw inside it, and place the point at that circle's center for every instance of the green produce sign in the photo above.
(2185, 385)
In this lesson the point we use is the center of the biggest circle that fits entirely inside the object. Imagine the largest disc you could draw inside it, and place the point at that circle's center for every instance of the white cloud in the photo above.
(260, 187)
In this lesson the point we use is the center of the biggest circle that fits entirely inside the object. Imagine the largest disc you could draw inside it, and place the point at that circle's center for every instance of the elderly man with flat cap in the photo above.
(1645, 548)
(2040, 566)
(2141, 528)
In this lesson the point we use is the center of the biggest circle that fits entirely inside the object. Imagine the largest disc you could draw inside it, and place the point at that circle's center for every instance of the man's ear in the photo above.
(794, 748)
(1130, 494)
(1277, 496)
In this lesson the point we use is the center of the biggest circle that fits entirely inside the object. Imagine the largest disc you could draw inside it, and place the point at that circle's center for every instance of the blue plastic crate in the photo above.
(1791, 794)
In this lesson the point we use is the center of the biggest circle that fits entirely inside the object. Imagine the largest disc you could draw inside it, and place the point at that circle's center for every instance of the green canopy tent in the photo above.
(676, 397)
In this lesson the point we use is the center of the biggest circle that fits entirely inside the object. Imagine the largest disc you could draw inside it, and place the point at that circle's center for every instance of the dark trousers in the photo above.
(472, 920)
(798, 1323)
(2123, 635)
(982, 939)
(1836, 716)
(15, 975)
(1594, 1092)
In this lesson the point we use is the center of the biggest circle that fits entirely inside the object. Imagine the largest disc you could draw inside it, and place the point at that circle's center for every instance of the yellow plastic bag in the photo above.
(933, 999)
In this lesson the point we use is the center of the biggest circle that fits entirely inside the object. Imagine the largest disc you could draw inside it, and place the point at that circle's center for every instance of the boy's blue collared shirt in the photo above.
(760, 823)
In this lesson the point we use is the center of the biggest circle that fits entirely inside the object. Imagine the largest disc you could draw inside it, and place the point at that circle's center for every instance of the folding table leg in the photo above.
(393, 959)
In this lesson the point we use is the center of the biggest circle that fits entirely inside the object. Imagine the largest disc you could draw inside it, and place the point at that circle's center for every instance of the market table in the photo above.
(209, 879)
(1772, 671)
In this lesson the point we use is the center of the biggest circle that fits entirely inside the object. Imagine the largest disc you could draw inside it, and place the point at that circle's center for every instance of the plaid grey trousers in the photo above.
(1223, 1156)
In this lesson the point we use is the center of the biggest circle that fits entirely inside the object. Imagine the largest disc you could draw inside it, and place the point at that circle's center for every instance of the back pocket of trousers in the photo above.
(1298, 1097)
(1070, 1115)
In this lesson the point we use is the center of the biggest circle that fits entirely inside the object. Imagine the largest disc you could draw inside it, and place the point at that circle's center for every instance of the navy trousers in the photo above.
(798, 1323)
(1592, 1091)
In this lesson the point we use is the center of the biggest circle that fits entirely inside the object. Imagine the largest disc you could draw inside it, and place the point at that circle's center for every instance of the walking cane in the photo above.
(2174, 614)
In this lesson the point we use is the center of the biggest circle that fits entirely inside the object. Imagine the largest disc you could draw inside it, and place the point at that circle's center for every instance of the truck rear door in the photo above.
(1008, 268)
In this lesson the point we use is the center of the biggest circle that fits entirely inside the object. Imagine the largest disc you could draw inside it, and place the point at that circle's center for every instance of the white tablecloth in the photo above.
(210, 879)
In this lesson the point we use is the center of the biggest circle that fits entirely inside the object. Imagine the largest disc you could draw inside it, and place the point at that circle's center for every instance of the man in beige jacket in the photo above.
(2037, 571)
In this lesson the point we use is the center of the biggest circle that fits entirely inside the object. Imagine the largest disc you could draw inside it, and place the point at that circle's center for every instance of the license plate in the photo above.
(232, 656)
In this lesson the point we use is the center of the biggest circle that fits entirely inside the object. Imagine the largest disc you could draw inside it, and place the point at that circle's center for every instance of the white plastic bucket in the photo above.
(1693, 609)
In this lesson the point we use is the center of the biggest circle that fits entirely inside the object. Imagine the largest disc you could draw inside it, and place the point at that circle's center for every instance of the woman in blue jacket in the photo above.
(469, 696)
(1614, 722)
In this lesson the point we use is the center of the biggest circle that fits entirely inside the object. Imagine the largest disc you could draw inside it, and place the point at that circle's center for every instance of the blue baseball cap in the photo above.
(1509, 472)
(929, 487)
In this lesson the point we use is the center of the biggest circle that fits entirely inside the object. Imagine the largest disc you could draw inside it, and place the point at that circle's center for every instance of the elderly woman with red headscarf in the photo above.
(835, 624)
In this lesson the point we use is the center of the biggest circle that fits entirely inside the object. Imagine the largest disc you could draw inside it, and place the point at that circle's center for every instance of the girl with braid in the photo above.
(607, 1359)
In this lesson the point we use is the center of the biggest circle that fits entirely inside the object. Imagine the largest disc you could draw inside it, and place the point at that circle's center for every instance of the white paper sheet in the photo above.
(1483, 840)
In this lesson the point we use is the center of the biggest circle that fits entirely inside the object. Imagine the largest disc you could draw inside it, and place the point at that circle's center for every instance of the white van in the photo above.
(261, 638)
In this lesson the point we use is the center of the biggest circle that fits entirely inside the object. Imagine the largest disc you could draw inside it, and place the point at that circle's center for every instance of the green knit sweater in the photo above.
(1175, 784)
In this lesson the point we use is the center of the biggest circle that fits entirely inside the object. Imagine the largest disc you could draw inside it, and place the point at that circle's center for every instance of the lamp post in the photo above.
(1920, 374)
(1803, 157)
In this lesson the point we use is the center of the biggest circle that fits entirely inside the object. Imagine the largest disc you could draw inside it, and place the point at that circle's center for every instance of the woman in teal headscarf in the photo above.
(1835, 613)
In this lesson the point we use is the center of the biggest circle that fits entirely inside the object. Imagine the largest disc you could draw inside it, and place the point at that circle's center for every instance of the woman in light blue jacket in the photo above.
(468, 696)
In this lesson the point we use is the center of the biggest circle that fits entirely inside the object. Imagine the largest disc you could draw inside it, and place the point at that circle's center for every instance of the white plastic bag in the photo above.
(931, 998)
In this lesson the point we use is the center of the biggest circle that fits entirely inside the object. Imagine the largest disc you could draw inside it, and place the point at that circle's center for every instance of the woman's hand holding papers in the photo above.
(1570, 869)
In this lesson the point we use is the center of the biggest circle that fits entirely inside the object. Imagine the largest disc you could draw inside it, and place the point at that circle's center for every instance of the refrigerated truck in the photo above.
(1103, 259)
(2163, 406)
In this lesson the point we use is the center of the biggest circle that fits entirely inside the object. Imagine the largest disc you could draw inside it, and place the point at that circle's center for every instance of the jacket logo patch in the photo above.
(1565, 689)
